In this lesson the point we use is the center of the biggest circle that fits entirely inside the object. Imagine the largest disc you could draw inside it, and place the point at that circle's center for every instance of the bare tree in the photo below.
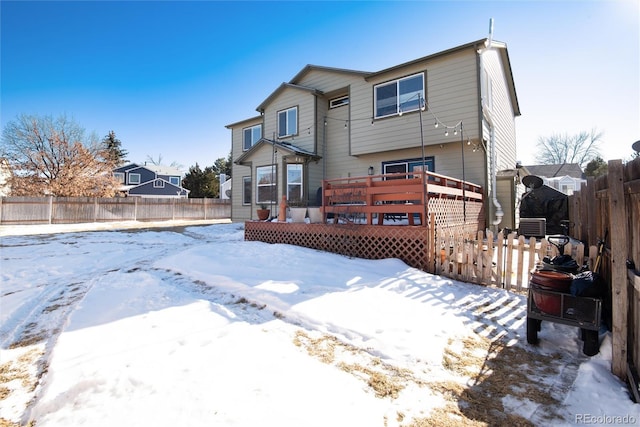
(158, 162)
(560, 149)
(53, 157)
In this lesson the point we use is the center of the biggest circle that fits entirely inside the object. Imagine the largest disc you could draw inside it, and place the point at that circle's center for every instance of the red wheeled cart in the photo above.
(550, 299)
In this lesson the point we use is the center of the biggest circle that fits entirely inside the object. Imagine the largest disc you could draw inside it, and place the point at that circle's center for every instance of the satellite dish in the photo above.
(532, 181)
(636, 146)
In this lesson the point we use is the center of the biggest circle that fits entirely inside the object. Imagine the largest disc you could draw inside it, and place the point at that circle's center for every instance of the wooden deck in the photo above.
(405, 195)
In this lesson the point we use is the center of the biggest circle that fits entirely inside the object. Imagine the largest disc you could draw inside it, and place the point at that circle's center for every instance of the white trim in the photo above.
(131, 181)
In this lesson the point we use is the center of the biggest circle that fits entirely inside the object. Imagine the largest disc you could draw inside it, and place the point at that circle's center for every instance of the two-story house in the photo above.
(453, 111)
(150, 181)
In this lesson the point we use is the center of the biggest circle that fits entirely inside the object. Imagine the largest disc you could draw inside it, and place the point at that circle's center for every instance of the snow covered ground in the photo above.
(194, 326)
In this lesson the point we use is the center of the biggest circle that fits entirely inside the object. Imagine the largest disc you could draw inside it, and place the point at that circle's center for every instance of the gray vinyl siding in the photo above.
(451, 94)
(328, 81)
(240, 212)
(305, 102)
(502, 110)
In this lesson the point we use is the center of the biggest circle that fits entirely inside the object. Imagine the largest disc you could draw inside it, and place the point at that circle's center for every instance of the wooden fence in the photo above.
(610, 206)
(505, 260)
(73, 210)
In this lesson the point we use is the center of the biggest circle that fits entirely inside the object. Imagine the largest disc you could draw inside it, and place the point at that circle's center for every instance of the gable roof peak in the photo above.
(281, 88)
(310, 67)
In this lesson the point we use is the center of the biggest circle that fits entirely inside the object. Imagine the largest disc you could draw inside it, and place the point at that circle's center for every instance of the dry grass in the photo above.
(487, 371)
(483, 372)
(18, 370)
(385, 380)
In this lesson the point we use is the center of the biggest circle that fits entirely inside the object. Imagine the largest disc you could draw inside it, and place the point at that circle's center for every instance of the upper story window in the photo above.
(119, 176)
(158, 183)
(288, 122)
(175, 180)
(134, 178)
(339, 102)
(399, 96)
(250, 136)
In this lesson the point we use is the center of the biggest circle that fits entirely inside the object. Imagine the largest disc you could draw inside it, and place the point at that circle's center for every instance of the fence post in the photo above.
(135, 209)
(619, 292)
(591, 205)
(204, 207)
(50, 209)
(95, 209)
(499, 266)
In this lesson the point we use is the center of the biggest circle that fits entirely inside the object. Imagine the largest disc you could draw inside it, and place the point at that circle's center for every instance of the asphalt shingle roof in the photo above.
(572, 170)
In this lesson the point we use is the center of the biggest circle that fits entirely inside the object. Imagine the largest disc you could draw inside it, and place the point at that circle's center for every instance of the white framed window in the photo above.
(246, 190)
(134, 178)
(250, 136)
(294, 183)
(158, 183)
(339, 102)
(119, 176)
(266, 184)
(288, 122)
(399, 96)
(175, 180)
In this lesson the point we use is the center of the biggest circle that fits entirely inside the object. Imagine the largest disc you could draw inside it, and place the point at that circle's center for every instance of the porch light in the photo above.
(370, 170)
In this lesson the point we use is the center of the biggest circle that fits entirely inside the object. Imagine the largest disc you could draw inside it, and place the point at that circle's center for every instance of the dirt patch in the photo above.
(19, 370)
(486, 372)
(483, 373)
(384, 379)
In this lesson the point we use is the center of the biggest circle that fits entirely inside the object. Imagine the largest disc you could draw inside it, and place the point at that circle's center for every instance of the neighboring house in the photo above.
(150, 181)
(333, 123)
(225, 187)
(566, 177)
(5, 175)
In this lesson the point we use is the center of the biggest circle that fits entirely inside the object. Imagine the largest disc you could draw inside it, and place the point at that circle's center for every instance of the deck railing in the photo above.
(393, 195)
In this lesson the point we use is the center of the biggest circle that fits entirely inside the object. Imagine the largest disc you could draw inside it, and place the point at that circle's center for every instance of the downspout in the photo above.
(486, 114)
(499, 212)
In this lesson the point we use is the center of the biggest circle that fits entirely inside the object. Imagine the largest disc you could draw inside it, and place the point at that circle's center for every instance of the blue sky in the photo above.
(168, 76)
